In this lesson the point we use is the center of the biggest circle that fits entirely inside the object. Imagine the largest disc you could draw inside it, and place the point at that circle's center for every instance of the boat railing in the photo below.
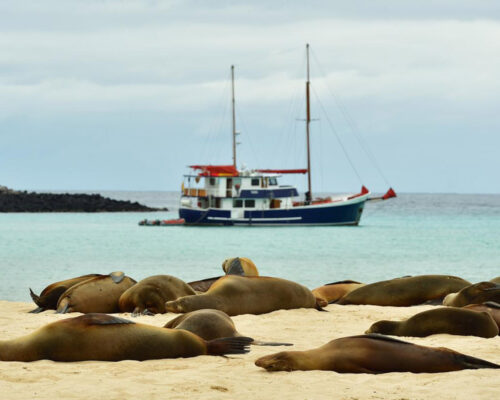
(190, 192)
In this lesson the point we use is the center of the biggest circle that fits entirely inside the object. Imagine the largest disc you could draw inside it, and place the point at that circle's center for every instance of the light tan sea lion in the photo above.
(474, 294)
(95, 295)
(149, 295)
(240, 266)
(237, 295)
(406, 291)
(372, 354)
(490, 307)
(107, 338)
(50, 295)
(496, 280)
(211, 324)
(454, 321)
(331, 292)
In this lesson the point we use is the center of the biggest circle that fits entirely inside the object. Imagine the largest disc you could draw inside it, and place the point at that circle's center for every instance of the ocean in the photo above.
(455, 234)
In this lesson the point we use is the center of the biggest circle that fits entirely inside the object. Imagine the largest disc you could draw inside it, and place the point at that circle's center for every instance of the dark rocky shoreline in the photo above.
(22, 201)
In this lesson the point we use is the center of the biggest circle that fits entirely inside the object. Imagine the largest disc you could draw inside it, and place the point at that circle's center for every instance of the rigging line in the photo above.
(351, 123)
(248, 136)
(337, 136)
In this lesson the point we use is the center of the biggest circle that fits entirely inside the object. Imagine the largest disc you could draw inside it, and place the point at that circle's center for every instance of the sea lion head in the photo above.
(384, 327)
(239, 266)
(448, 300)
(176, 306)
(283, 361)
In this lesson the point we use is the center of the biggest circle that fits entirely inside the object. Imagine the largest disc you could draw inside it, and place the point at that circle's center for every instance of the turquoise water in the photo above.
(413, 234)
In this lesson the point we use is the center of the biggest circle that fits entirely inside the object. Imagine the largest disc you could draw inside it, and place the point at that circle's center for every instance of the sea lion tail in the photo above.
(470, 362)
(229, 345)
(35, 298)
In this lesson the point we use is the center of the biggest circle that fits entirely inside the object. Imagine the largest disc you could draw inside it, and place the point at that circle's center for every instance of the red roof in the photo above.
(216, 170)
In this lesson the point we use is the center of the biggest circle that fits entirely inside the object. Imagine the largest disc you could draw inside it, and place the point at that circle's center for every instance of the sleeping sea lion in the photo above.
(331, 292)
(50, 295)
(372, 354)
(237, 295)
(211, 324)
(106, 338)
(474, 294)
(490, 307)
(454, 321)
(406, 291)
(496, 280)
(99, 294)
(149, 295)
(240, 266)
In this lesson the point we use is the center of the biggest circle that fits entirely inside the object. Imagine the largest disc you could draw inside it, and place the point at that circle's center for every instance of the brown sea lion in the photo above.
(331, 292)
(496, 280)
(240, 266)
(211, 324)
(203, 285)
(490, 307)
(474, 294)
(149, 295)
(99, 294)
(372, 354)
(406, 291)
(454, 321)
(107, 338)
(237, 295)
(50, 295)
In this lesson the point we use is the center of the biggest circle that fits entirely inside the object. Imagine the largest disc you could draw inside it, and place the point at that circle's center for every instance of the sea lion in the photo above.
(237, 295)
(490, 307)
(211, 324)
(474, 294)
(372, 354)
(99, 294)
(106, 338)
(496, 280)
(240, 266)
(50, 295)
(149, 295)
(406, 291)
(331, 292)
(454, 321)
(203, 285)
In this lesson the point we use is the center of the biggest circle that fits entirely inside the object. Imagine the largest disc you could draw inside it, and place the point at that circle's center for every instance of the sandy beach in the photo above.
(208, 377)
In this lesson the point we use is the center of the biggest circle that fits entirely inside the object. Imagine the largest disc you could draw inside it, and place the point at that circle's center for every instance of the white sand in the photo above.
(237, 377)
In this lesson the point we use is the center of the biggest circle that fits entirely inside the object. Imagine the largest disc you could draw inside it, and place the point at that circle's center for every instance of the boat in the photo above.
(226, 195)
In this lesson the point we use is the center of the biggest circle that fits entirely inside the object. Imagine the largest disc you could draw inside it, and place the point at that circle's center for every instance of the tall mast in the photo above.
(234, 117)
(308, 121)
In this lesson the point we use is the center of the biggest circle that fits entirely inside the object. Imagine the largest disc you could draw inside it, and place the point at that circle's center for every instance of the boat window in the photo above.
(237, 203)
(273, 181)
(212, 182)
(249, 203)
(255, 181)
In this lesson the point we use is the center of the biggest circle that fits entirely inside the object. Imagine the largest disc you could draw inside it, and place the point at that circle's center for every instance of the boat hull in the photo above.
(335, 213)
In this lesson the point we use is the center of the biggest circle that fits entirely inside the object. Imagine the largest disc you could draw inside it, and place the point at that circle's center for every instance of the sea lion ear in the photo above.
(235, 267)
(117, 276)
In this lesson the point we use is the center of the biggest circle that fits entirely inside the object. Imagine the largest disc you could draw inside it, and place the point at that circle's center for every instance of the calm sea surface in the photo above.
(413, 234)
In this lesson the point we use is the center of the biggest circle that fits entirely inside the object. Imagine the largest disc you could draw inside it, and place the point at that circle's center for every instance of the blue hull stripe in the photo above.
(331, 214)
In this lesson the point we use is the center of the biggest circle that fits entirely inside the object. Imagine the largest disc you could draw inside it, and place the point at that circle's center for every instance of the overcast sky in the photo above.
(123, 95)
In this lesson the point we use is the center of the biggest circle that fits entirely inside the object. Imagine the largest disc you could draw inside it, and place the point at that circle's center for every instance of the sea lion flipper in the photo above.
(229, 345)
(470, 362)
(259, 343)
(63, 310)
(117, 276)
(35, 297)
(492, 304)
(36, 310)
(147, 312)
(235, 268)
